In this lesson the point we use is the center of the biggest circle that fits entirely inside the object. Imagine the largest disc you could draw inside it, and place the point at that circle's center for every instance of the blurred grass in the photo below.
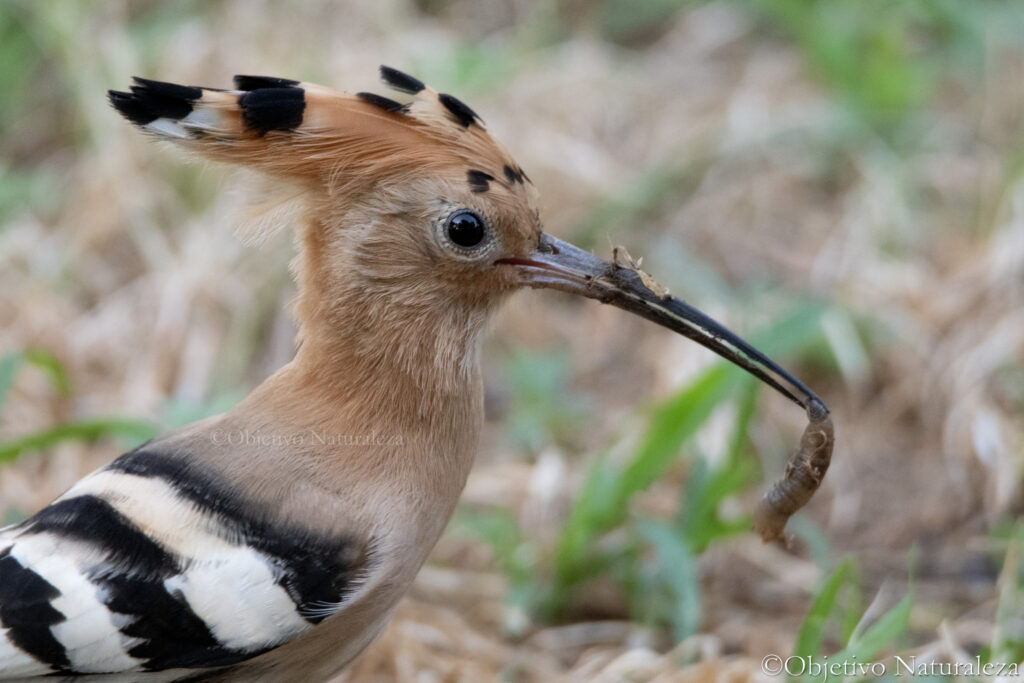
(132, 431)
(863, 643)
(654, 560)
(544, 407)
(884, 60)
(12, 363)
(900, 95)
(1008, 640)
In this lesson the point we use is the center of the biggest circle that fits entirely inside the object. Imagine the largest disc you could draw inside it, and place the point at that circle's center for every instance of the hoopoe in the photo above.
(273, 542)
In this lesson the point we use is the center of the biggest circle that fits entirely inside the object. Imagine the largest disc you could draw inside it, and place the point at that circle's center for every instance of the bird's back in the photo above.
(154, 563)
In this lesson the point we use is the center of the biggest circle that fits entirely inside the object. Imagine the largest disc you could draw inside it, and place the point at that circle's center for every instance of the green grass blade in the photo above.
(672, 425)
(85, 430)
(738, 443)
(818, 545)
(808, 640)
(498, 529)
(702, 523)
(588, 519)
(1008, 638)
(51, 365)
(12, 363)
(707, 488)
(853, 604)
(678, 569)
(884, 632)
(9, 366)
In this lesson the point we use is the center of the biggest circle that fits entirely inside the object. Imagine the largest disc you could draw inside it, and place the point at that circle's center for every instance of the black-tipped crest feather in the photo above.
(150, 100)
(268, 109)
(459, 109)
(401, 81)
(130, 107)
(385, 103)
(479, 181)
(247, 83)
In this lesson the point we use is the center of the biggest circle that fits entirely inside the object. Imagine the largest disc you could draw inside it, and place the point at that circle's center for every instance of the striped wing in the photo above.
(150, 564)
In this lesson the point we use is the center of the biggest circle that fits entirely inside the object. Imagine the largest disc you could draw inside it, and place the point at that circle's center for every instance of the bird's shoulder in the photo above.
(157, 562)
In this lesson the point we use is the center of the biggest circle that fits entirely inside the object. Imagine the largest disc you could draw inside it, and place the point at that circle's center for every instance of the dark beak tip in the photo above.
(817, 411)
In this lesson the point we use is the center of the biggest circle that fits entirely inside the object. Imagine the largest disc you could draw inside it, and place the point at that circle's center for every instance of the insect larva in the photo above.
(802, 478)
(636, 291)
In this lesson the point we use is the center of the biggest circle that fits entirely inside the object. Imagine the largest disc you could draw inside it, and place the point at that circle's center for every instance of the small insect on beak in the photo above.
(559, 265)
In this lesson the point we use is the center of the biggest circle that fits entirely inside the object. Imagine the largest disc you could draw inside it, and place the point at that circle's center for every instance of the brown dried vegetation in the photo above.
(755, 179)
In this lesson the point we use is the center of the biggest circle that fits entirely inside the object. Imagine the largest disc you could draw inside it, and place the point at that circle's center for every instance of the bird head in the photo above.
(416, 221)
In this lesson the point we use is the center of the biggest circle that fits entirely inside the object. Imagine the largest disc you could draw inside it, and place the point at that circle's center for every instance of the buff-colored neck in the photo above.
(380, 348)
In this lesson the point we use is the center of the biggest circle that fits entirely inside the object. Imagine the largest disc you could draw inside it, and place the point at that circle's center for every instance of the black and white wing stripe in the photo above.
(151, 564)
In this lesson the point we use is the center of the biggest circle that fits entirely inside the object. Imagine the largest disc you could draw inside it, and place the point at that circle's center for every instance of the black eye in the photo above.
(465, 228)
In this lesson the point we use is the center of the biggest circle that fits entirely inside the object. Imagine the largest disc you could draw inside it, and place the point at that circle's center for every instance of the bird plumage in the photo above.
(155, 563)
(273, 542)
(309, 507)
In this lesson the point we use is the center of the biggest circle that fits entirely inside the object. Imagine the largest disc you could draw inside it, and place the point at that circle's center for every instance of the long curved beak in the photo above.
(560, 265)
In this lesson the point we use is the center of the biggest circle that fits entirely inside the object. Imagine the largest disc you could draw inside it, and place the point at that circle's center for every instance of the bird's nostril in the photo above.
(546, 247)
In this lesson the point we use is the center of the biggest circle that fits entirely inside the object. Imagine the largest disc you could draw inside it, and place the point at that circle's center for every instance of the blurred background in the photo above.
(840, 182)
